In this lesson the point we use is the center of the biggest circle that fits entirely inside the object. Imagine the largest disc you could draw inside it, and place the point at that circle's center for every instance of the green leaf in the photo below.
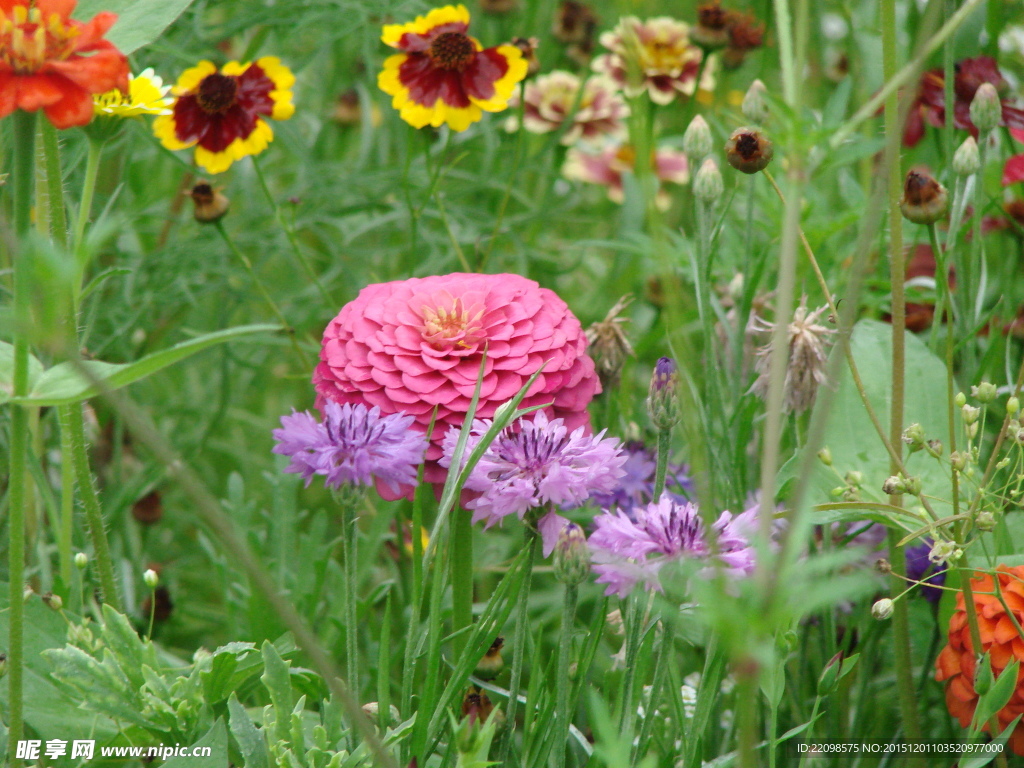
(278, 682)
(65, 383)
(998, 695)
(851, 437)
(35, 370)
(139, 22)
(250, 741)
(216, 739)
(217, 681)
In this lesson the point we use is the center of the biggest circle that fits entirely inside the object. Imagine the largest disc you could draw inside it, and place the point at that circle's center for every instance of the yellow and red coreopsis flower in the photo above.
(51, 62)
(220, 111)
(999, 622)
(445, 76)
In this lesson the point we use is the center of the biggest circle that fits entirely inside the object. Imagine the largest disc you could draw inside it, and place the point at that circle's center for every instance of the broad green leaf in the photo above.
(139, 22)
(851, 437)
(35, 370)
(216, 739)
(277, 680)
(65, 383)
(250, 741)
(998, 694)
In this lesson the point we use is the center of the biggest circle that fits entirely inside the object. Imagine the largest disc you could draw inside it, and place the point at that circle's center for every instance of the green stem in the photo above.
(633, 621)
(92, 168)
(290, 234)
(661, 669)
(350, 533)
(72, 414)
(462, 579)
(66, 526)
(664, 441)
(894, 136)
(564, 687)
(23, 175)
(518, 647)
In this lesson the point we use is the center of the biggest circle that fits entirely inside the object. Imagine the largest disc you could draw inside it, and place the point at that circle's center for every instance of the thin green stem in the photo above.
(633, 620)
(289, 232)
(90, 501)
(462, 579)
(518, 648)
(23, 175)
(350, 535)
(66, 526)
(92, 168)
(661, 669)
(564, 687)
(661, 468)
(152, 613)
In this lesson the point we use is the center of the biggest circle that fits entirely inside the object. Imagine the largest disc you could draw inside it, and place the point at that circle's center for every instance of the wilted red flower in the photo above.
(930, 104)
(443, 75)
(1000, 638)
(413, 345)
(51, 62)
(220, 111)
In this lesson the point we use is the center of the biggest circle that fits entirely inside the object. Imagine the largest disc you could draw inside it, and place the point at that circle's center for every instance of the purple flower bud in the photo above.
(663, 397)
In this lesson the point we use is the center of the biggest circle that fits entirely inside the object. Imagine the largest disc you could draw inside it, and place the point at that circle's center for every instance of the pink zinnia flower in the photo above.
(607, 167)
(413, 345)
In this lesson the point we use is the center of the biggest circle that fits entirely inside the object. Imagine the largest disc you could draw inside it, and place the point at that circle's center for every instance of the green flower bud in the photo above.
(854, 477)
(1012, 406)
(830, 675)
(970, 414)
(894, 486)
(571, 556)
(913, 486)
(934, 448)
(53, 601)
(985, 392)
(986, 109)
(958, 460)
(707, 183)
(697, 141)
(914, 437)
(825, 456)
(81, 560)
(985, 520)
(151, 578)
(754, 107)
(967, 159)
(883, 609)
(663, 396)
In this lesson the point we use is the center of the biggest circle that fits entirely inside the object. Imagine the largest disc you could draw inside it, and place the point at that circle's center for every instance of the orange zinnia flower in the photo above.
(51, 62)
(999, 637)
(445, 76)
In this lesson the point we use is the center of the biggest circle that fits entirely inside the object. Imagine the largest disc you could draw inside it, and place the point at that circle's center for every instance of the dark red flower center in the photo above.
(746, 145)
(451, 50)
(217, 93)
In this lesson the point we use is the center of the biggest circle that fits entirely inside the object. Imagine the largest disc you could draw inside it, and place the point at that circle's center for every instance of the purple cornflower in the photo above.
(637, 484)
(534, 463)
(920, 568)
(352, 445)
(627, 551)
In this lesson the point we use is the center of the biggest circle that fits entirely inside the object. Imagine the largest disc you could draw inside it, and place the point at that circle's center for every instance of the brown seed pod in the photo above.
(748, 150)
(210, 204)
(925, 201)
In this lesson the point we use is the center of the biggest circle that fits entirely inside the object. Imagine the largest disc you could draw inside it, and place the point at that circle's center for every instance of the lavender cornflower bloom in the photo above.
(540, 463)
(626, 552)
(920, 568)
(636, 487)
(353, 445)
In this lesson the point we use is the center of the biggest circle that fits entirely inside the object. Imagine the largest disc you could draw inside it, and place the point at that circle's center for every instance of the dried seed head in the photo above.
(697, 140)
(754, 107)
(347, 109)
(883, 566)
(708, 185)
(498, 7)
(491, 664)
(925, 201)
(712, 28)
(528, 47)
(967, 159)
(210, 204)
(986, 109)
(575, 23)
(748, 150)
(745, 34)
(805, 369)
(608, 345)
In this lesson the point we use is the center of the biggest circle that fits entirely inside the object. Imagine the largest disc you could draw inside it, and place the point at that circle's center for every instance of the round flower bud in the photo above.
(825, 456)
(924, 201)
(893, 486)
(754, 107)
(985, 520)
(81, 560)
(663, 396)
(572, 556)
(883, 566)
(960, 399)
(707, 184)
(986, 109)
(1012, 405)
(970, 414)
(883, 609)
(528, 47)
(210, 204)
(748, 150)
(958, 460)
(53, 601)
(914, 437)
(712, 28)
(913, 486)
(697, 141)
(854, 477)
(934, 448)
(967, 159)
(491, 664)
(151, 578)
(985, 392)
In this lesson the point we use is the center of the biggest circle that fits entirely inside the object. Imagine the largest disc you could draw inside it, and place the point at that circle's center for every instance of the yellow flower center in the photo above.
(451, 50)
(457, 326)
(27, 41)
(216, 93)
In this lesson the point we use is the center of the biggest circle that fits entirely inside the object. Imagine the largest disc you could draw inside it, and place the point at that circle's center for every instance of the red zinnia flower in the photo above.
(221, 112)
(445, 76)
(1000, 638)
(930, 104)
(42, 65)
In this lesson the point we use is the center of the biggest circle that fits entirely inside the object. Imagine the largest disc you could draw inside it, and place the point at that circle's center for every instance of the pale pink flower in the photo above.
(413, 345)
(655, 55)
(607, 166)
(550, 100)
